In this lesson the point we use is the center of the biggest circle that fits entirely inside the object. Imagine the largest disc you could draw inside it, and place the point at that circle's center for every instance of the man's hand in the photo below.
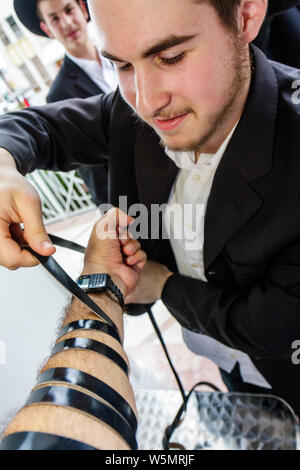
(150, 285)
(19, 203)
(111, 250)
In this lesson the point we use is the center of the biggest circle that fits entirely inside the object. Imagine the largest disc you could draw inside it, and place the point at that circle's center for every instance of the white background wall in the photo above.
(31, 303)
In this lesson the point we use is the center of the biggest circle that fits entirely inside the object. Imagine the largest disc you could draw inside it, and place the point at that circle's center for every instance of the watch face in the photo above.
(84, 282)
(93, 282)
(98, 280)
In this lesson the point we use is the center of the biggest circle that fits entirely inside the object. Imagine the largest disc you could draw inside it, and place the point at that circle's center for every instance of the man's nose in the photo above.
(151, 94)
(65, 20)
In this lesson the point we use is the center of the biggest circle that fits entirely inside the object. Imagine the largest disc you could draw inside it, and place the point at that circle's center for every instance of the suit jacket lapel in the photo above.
(232, 201)
(80, 79)
(231, 204)
(151, 160)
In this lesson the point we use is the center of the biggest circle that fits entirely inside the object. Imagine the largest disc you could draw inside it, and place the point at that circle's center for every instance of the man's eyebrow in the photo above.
(54, 13)
(167, 43)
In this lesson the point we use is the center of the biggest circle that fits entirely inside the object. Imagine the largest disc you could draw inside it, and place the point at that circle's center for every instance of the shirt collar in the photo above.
(186, 160)
(81, 62)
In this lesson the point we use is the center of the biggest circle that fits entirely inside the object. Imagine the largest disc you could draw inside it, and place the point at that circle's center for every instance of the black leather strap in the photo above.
(66, 243)
(96, 346)
(90, 325)
(49, 263)
(64, 396)
(87, 381)
(41, 441)
(177, 420)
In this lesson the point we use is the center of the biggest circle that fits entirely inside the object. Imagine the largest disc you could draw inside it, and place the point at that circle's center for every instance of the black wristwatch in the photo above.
(98, 283)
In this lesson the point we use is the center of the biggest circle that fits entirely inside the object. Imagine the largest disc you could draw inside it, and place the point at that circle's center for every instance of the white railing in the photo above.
(62, 194)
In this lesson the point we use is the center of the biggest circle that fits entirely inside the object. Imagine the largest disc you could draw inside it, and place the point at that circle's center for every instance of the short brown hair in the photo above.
(226, 10)
(38, 11)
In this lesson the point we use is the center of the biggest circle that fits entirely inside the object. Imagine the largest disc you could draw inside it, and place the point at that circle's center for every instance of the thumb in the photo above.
(34, 230)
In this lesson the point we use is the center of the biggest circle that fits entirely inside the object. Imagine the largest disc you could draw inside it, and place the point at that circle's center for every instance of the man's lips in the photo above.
(169, 124)
(72, 34)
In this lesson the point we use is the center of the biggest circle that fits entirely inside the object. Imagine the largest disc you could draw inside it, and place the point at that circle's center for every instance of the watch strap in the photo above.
(113, 288)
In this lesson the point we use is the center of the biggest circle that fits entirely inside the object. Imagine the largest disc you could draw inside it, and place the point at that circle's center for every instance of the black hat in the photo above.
(26, 11)
(27, 14)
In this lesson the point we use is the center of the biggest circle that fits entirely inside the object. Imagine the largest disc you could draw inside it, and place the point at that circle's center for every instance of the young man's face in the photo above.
(64, 20)
(179, 68)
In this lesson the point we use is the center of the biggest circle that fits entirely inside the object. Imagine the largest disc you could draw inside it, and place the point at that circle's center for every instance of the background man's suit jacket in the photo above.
(72, 82)
(278, 6)
(251, 301)
(279, 37)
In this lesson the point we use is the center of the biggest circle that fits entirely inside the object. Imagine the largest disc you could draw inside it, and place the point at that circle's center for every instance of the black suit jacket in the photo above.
(278, 6)
(72, 82)
(279, 37)
(251, 301)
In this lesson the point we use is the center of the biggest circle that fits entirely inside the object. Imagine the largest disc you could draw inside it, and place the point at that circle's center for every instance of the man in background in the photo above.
(83, 72)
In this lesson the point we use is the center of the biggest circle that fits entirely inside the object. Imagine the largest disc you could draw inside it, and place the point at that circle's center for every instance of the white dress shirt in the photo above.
(184, 225)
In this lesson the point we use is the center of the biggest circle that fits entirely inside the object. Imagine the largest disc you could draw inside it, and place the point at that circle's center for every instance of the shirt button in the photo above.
(195, 266)
(197, 178)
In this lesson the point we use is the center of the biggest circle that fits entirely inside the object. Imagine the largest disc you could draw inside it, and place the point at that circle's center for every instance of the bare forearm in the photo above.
(83, 392)
(70, 422)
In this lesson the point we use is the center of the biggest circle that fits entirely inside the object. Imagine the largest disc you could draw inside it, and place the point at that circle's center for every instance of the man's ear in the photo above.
(83, 7)
(251, 16)
(45, 29)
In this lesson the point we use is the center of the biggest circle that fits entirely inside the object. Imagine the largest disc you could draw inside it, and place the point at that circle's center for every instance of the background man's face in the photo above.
(64, 20)
(184, 88)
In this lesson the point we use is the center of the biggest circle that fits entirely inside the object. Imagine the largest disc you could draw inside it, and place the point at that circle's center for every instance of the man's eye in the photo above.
(172, 60)
(124, 68)
(162, 61)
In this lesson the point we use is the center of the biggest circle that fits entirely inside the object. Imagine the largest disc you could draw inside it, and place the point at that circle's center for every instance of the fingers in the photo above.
(104, 244)
(132, 252)
(134, 256)
(130, 246)
(19, 202)
(137, 258)
(34, 230)
(113, 225)
(11, 254)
